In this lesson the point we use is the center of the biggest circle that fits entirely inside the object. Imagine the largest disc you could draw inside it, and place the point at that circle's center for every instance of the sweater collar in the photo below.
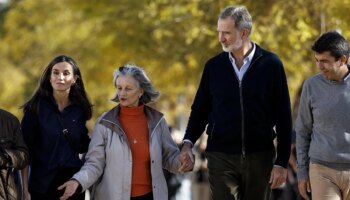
(139, 110)
(112, 117)
(345, 78)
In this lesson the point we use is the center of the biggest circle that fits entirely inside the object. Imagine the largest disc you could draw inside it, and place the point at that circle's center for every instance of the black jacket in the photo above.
(13, 155)
(243, 117)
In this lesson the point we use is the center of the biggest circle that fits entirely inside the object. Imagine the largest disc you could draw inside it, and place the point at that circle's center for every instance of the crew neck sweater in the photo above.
(322, 124)
(134, 123)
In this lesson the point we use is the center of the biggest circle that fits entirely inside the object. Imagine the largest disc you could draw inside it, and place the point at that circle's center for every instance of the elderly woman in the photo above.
(129, 147)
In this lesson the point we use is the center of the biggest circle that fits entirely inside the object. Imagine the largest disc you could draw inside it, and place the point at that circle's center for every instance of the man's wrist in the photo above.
(187, 143)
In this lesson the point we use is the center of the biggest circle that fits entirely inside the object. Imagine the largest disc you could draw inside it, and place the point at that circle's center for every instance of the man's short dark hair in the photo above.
(333, 42)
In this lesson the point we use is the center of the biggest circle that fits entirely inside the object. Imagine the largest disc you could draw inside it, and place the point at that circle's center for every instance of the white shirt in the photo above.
(246, 62)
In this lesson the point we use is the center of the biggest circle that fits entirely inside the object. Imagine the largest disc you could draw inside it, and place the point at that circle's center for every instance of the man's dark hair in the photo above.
(333, 42)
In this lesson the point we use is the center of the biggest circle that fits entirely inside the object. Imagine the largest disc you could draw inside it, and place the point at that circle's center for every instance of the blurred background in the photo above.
(171, 39)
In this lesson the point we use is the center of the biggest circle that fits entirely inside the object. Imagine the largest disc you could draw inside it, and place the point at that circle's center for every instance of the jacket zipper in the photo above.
(242, 107)
(242, 113)
(242, 121)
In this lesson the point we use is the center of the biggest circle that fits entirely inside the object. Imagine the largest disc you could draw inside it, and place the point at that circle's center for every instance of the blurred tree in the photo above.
(171, 39)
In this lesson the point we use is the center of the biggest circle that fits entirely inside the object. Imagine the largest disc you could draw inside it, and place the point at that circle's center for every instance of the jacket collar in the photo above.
(112, 118)
(258, 53)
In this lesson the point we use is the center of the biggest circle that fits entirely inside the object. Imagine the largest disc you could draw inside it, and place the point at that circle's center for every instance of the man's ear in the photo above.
(245, 33)
(343, 59)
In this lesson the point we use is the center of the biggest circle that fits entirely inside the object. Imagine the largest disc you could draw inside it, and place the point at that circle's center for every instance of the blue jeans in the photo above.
(233, 177)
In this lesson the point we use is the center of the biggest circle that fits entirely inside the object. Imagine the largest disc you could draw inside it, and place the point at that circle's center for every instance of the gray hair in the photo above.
(150, 94)
(240, 15)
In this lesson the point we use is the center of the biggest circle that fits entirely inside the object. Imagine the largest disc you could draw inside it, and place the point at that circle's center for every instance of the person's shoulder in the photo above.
(262, 50)
(313, 81)
(7, 114)
(267, 59)
(110, 114)
(266, 53)
(218, 57)
(314, 78)
(153, 111)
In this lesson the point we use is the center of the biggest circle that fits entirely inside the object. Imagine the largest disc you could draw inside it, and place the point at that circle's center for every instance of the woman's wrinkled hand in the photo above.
(70, 187)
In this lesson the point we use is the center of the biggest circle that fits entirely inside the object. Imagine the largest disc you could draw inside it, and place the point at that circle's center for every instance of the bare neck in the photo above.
(242, 52)
(344, 71)
(62, 100)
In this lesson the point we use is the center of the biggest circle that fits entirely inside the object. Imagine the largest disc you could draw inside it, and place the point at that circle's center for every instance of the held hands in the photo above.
(186, 158)
(278, 176)
(304, 188)
(70, 188)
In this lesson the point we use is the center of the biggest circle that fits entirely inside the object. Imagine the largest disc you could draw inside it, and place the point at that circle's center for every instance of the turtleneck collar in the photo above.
(132, 110)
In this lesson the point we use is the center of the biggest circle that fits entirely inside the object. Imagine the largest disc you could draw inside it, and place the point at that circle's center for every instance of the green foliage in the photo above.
(171, 39)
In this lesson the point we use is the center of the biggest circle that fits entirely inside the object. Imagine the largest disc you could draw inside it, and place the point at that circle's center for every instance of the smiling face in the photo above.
(62, 77)
(329, 67)
(128, 91)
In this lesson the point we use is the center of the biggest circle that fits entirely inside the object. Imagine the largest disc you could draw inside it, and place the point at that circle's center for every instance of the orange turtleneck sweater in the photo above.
(134, 124)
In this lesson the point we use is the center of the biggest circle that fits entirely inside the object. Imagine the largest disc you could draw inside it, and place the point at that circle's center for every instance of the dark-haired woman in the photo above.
(54, 129)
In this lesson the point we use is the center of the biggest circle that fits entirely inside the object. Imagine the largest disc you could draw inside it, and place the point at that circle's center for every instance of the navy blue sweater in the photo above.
(243, 116)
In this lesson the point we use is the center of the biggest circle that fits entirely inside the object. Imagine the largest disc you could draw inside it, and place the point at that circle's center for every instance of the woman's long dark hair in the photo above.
(44, 89)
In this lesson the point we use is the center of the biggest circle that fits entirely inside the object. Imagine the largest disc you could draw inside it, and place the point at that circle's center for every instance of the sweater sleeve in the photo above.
(283, 118)
(303, 130)
(200, 109)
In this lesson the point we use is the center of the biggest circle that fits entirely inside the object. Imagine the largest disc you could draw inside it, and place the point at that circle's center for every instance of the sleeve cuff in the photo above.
(80, 188)
(187, 141)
